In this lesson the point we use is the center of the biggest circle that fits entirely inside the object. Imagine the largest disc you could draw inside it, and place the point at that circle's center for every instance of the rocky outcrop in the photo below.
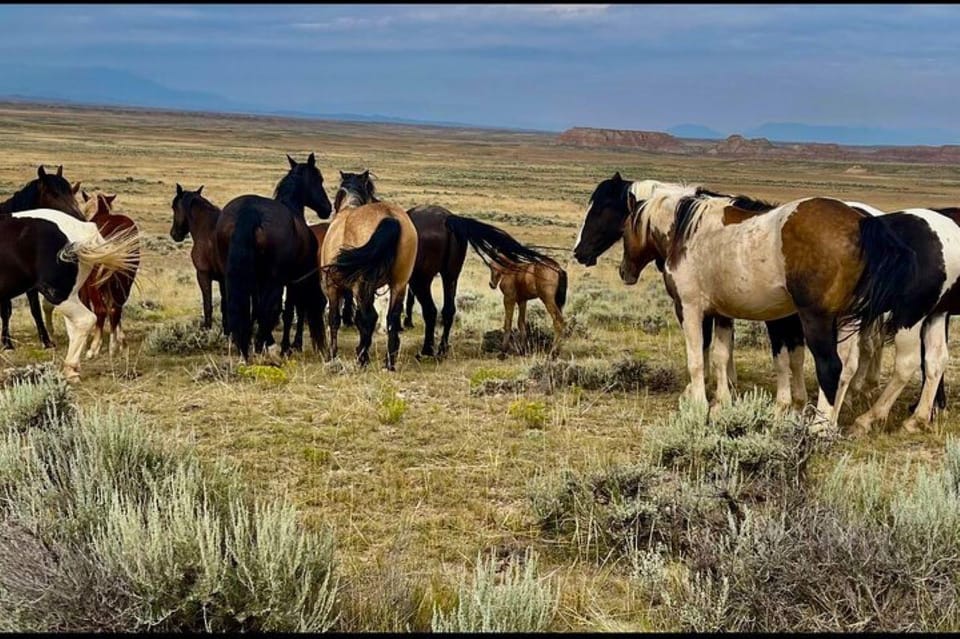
(647, 140)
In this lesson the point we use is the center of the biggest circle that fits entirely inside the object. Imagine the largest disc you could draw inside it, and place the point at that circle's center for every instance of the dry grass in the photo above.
(449, 471)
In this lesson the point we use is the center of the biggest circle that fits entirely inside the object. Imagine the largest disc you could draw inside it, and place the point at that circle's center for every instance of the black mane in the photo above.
(740, 201)
(22, 200)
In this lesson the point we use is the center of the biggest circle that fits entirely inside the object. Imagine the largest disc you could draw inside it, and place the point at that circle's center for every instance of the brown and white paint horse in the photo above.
(816, 257)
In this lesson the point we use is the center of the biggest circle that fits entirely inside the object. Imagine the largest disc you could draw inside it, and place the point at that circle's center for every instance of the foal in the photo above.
(522, 282)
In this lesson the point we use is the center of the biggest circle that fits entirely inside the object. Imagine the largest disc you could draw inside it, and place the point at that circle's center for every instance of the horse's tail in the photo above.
(560, 297)
(241, 276)
(373, 261)
(117, 253)
(889, 269)
(493, 243)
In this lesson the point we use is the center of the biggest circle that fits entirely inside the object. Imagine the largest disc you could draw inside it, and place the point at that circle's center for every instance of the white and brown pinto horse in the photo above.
(816, 257)
(605, 224)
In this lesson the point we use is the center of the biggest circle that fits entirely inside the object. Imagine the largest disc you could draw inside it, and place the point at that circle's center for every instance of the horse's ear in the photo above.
(631, 203)
(366, 174)
(312, 160)
(110, 198)
(616, 177)
(342, 175)
(179, 189)
(60, 171)
(75, 188)
(41, 173)
(200, 190)
(293, 163)
(86, 198)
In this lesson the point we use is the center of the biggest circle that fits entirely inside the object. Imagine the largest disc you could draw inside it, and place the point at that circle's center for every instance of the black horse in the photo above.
(46, 191)
(266, 245)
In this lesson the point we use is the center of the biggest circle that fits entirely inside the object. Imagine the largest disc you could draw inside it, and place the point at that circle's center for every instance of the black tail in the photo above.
(241, 275)
(373, 261)
(890, 268)
(561, 294)
(490, 242)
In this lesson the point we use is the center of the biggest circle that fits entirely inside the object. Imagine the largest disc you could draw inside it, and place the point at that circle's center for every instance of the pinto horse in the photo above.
(46, 191)
(85, 249)
(817, 257)
(266, 245)
(197, 216)
(368, 246)
(107, 298)
(605, 224)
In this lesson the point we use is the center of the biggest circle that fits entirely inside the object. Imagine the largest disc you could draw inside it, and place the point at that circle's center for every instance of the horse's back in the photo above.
(75, 230)
(435, 242)
(354, 227)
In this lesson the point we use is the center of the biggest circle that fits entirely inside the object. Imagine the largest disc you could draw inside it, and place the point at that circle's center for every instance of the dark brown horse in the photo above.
(197, 216)
(265, 245)
(106, 297)
(47, 191)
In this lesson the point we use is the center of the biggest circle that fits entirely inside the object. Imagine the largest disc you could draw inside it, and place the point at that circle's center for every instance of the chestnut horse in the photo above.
(817, 257)
(106, 299)
(197, 216)
(47, 191)
(522, 282)
(265, 245)
(367, 246)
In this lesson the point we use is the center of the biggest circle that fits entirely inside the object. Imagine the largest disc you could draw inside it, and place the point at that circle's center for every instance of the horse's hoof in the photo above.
(407, 323)
(914, 425)
(71, 374)
(861, 426)
(7, 347)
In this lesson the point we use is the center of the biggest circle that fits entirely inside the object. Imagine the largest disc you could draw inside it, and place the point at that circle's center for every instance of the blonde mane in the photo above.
(657, 198)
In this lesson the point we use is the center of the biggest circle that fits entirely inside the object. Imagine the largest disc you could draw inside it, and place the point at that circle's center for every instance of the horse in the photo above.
(522, 282)
(197, 216)
(266, 245)
(368, 245)
(442, 241)
(816, 256)
(46, 191)
(605, 224)
(107, 298)
(85, 248)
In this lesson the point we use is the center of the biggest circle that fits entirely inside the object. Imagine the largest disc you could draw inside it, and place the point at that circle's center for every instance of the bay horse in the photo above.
(85, 249)
(366, 247)
(266, 245)
(46, 191)
(817, 257)
(106, 298)
(605, 223)
(522, 282)
(195, 215)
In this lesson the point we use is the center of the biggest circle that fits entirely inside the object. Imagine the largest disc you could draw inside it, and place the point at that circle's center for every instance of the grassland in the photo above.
(425, 488)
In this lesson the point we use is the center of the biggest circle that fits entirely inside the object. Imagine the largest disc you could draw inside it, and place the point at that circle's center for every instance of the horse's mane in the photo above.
(21, 200)
(286, 187)
(741, 201)
(356, 194)
(189, 199)
(657, 197)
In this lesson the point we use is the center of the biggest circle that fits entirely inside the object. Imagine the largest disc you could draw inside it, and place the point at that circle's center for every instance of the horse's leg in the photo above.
(394, 312)
(366, 320)
(820, 332)
(786, 343)
(349, 308)
(722, 354)
(731, 362)
(449, 311)
(867, 379)
(423, 295)
(559, 325)
(707, 329)
(408, 319)
(333, 296)
(34, 298)
(935, 354)
(269, 308)
(118, 339)
(693, 326)
(206, 294)
(6, 310)
(798, 386)
(848, 349)
(79, 320)
(522, 323)
(223, 307)
(48, 315)
(96, 341)
(906, 362)
(941, 400)
(312, 305)
(289, 305)
(508, 304)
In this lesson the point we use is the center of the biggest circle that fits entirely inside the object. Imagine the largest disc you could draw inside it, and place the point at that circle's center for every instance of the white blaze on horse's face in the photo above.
(582, 225)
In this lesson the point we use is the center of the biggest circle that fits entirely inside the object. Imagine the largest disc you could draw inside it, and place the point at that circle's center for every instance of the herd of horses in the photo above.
(840, 278)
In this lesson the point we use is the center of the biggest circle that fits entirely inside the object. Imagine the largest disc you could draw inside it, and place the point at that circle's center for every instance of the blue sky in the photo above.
(729, 67)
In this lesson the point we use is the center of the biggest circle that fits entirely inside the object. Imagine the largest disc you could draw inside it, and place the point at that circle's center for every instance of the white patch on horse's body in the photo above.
(866, 208)
(948, 233)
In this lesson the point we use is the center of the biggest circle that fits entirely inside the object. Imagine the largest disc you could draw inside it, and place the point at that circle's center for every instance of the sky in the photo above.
(729, 67)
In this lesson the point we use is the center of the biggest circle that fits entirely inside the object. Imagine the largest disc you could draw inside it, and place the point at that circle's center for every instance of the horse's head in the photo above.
(496, 274)
(603, 223)
(651, 205)
(54, 192)
(182, 204)
(309, 184)
(97, 206)
(356, 189)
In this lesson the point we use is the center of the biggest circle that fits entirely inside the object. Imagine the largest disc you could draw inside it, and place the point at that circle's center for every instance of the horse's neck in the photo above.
(202, 220)
(290, 196)
(23, 200)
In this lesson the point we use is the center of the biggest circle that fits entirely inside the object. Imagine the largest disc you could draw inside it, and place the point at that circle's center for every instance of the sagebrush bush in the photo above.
(25, 404)
(183, 338)
(515, 600)
(104, 527)
(624, 374)
(530, 414)
(391, 406)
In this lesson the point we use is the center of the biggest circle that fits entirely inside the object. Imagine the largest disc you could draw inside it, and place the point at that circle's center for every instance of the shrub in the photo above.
(270, 374)
(486, 381)
(625, 374)
(390, 405)
(517, 601)
(183, 338)
(103, 527)
(25, 405)
(529, 414)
